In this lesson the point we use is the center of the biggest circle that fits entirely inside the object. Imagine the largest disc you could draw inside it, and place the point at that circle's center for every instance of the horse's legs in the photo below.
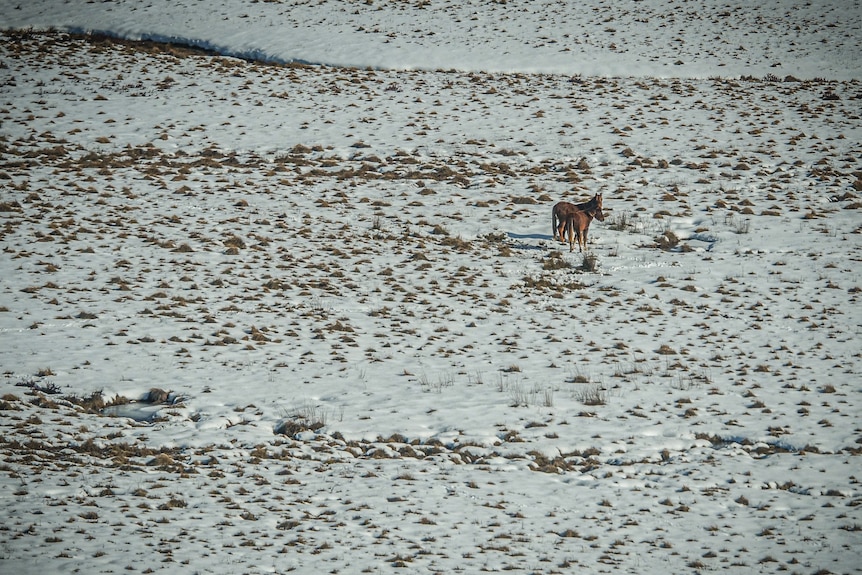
(557, 223)
(570, 224)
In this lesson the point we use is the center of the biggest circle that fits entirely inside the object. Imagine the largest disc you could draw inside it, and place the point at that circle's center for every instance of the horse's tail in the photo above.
(554, 223)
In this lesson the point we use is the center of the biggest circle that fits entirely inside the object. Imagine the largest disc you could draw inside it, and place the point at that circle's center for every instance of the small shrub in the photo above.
(443, 381)
(93, 403)
(10, 207)
(234, 241)
(456, 243)
(287, 525)
(174, 503)
(555, 261)
(156, 395)
(538, 283)
(590, 263)
(667, 241)
(47, 387)
(307, 418)
(548, 397)
(519, 396)
(592, 395)
(620, 222)
(742, 226)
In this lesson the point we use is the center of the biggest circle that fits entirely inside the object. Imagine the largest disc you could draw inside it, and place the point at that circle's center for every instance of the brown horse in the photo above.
(575, 219)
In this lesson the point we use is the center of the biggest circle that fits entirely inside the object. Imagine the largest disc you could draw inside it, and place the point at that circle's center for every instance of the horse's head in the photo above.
(600, 215)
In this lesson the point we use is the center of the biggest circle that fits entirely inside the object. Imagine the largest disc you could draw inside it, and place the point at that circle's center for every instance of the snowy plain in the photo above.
(289, 301)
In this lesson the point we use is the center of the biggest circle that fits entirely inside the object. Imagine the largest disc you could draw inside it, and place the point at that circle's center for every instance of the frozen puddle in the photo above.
(144, 412)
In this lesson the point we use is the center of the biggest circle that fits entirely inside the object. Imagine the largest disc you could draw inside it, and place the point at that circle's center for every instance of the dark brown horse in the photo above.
(575, 219)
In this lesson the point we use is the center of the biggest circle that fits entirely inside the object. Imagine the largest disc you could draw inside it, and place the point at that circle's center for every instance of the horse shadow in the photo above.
(522, 241)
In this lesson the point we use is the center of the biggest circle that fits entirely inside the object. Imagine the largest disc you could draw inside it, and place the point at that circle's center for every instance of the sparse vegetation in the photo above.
(667, 241)
(308, 417)
(589, 263)
(591, 394)
(555, 261)
(328, 313)
(620, 221)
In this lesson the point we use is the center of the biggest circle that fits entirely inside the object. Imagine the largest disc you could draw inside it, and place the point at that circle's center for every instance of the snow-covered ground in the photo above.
(373, 355)
(658, 38)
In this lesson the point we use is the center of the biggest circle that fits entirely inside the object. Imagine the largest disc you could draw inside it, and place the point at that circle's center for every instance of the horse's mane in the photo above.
(590, 205)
